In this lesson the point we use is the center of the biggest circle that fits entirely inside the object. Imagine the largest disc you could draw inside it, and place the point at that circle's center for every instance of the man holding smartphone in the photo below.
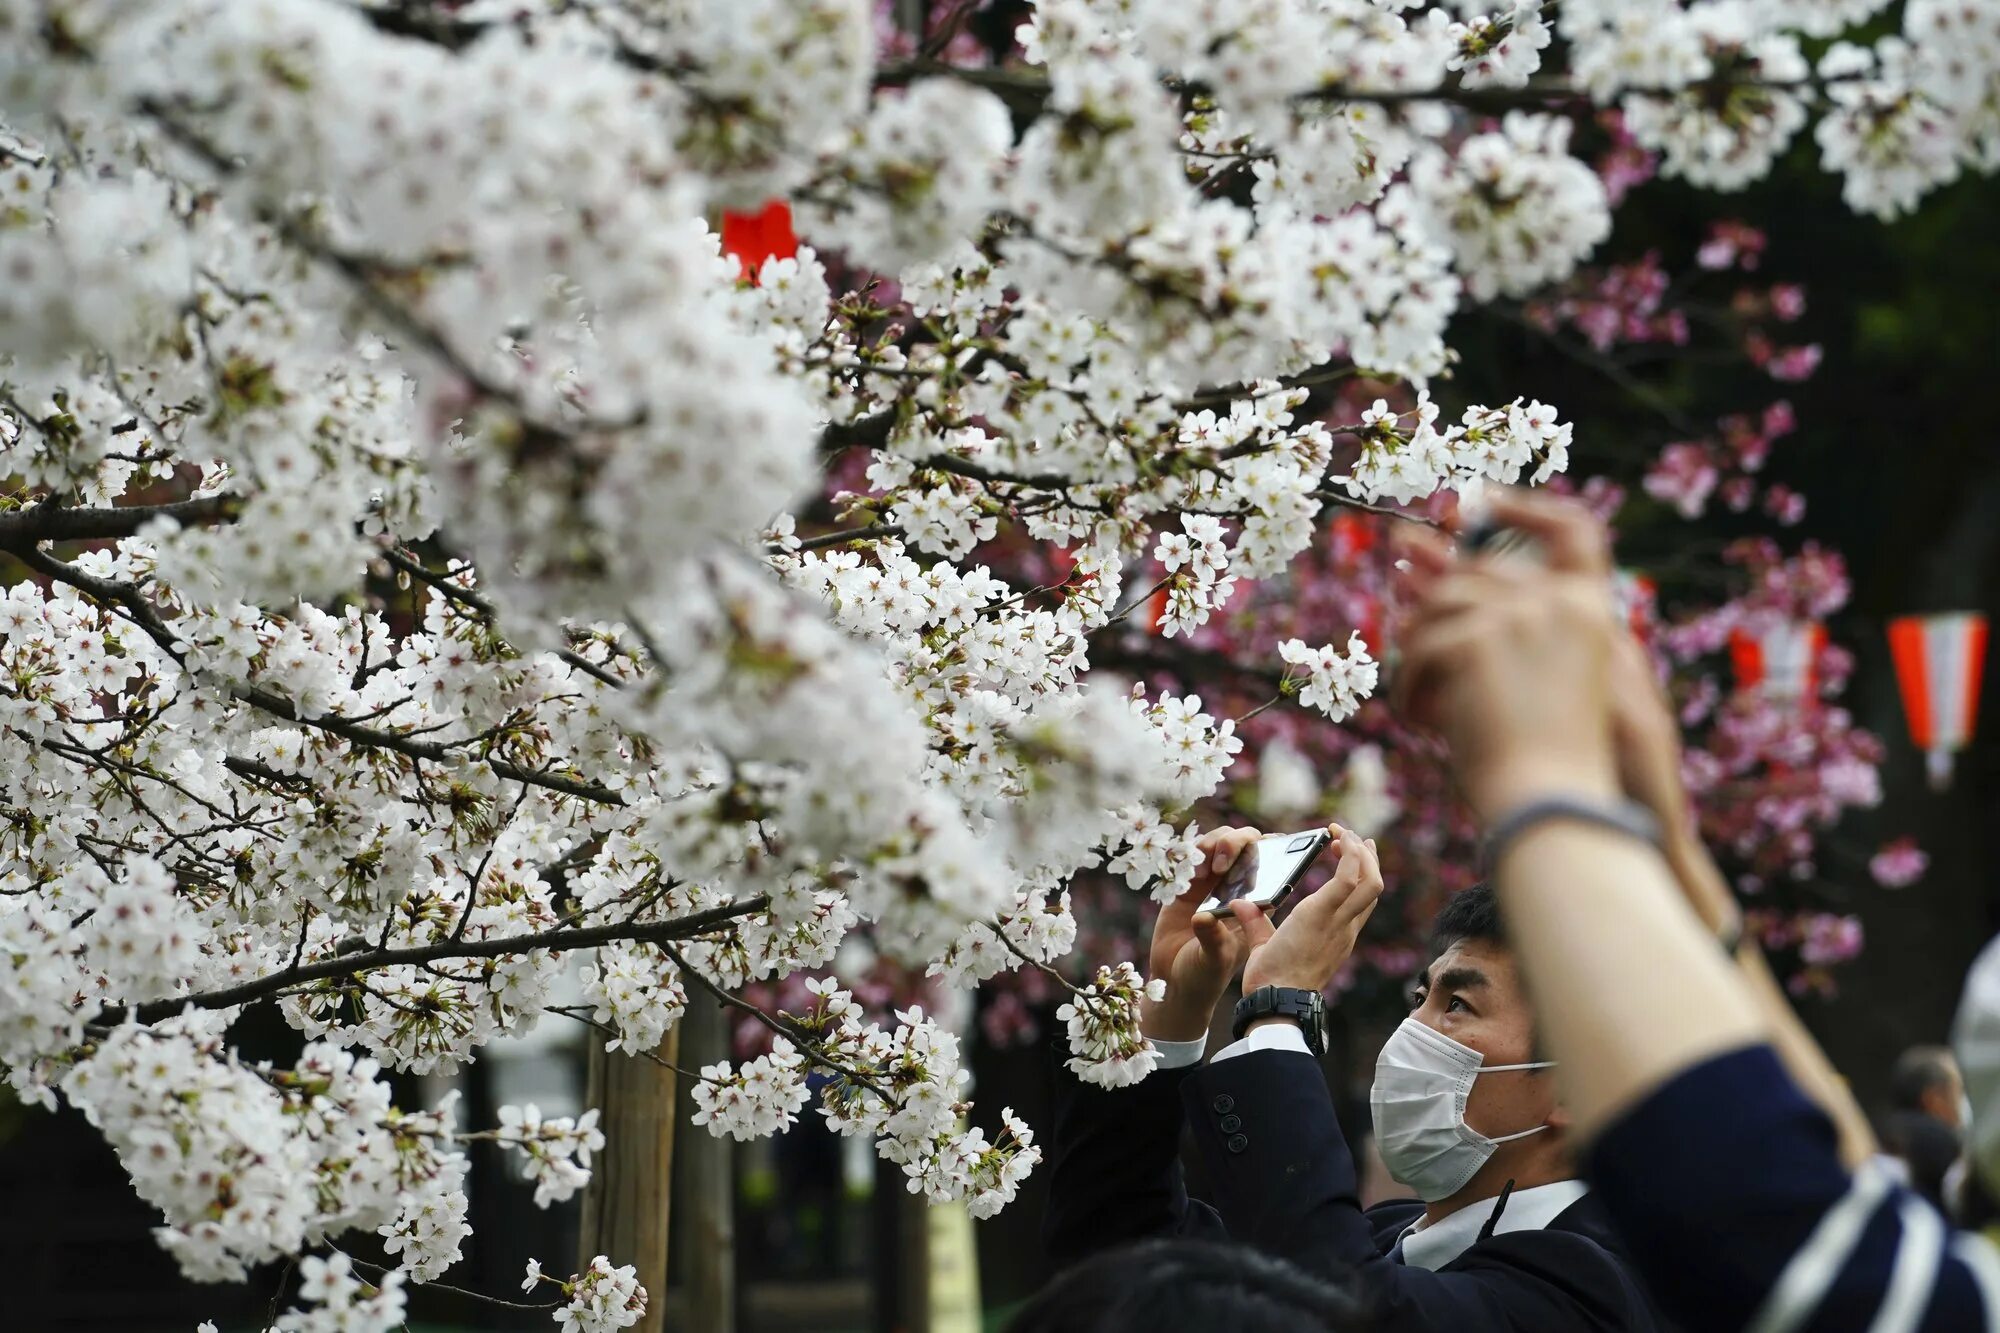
(1502, 1236)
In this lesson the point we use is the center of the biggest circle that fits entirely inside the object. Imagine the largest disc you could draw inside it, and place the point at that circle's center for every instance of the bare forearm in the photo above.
(1629, 986)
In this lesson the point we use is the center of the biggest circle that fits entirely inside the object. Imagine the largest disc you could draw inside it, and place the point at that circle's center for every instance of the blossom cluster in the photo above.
(1336, 682)
(340, 1302)
(601, 1299)
(1411, 460)
(556, 1152)
(1103, 1026)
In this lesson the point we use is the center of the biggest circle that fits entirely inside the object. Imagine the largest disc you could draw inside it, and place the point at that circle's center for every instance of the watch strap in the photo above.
(1627, 817)
(1306, 1007)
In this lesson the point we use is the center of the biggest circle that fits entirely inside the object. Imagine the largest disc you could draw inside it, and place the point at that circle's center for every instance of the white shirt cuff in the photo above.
(1270, 1037)
(1179, 1054)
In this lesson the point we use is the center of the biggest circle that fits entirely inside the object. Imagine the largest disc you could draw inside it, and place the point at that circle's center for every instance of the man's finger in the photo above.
(1361, 882)
(1257, 927)
(1318, 910)
(1224, 845)
(1212, 935)
(1357, 905)
(1367, 910)
(1572, 538)
(1429, 652)
(1422, 559)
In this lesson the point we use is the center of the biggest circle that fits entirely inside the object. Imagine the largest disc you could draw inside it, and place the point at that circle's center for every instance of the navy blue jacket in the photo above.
(1728, 1187)
(1284, 1181)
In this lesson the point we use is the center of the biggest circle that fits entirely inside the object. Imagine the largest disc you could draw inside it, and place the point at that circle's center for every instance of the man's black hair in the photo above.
(1474, 914)
(1188, 1286)
(1469, 914)
(1917, 1071)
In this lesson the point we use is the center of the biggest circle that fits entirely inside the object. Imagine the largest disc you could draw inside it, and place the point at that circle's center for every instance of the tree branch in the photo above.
(1025, 91)
(873, 532)
(549, 941)
(870, 432)
(49, 522)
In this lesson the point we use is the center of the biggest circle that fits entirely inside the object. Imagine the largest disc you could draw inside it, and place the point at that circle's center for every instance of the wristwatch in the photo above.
(1307, 1007)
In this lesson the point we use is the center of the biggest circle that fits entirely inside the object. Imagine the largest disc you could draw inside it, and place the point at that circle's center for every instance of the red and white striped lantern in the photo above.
(754, 238)
(1779, 659)
(1939, 660)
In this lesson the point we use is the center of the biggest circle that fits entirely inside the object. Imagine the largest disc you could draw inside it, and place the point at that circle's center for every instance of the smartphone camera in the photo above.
(1300, 843)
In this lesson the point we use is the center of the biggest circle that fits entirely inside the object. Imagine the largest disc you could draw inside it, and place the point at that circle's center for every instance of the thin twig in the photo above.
(1022, 954)
(423, 573)
(803, 1040)
(1135, 604)
(1268, 703)
(571, 1011)
(278, 1292)
(456, 1291)
(1348, 501)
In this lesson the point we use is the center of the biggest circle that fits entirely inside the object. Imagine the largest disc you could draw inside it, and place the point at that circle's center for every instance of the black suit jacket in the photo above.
(1284, 1181)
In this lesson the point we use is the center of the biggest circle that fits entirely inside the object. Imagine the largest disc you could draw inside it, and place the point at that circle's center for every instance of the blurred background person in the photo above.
(1924, 1128)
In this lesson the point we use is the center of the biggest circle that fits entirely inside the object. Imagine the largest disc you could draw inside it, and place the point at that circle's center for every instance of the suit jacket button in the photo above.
(1239, 1142)
(1230, 1124)
(1225, 1104)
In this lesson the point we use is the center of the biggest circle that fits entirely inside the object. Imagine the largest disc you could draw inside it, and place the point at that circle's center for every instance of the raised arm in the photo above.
(1646, 739)
(1723, 1179)
(1513, 664)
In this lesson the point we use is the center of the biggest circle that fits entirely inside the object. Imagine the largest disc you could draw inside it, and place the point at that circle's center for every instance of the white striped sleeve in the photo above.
(1914, 1279)
(1983, 1263)
(1812, 1270)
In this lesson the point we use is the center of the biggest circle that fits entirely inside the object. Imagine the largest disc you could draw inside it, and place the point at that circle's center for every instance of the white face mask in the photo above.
(1422, 1079)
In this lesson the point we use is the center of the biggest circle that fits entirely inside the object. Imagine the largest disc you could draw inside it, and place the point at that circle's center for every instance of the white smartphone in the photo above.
(1268, 870)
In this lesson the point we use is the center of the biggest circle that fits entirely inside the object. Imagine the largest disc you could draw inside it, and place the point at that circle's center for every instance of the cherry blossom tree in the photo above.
(427, 580)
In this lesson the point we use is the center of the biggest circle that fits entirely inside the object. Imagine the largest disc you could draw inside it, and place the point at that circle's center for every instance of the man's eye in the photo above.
(1456, 1005)
(1416, 999)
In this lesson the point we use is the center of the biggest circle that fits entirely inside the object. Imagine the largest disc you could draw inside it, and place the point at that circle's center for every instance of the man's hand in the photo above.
(1319, 934)
(1195, 955)
(1511, 662)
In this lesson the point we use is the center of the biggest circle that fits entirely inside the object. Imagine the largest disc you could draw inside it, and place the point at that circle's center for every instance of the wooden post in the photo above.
(707, 1169)
(625, 1206)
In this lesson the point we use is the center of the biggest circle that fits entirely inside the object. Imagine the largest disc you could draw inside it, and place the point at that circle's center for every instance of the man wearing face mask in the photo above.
(1502, 1235)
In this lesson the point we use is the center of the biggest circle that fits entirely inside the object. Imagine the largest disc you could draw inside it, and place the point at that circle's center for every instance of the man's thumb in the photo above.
(1257, 927)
